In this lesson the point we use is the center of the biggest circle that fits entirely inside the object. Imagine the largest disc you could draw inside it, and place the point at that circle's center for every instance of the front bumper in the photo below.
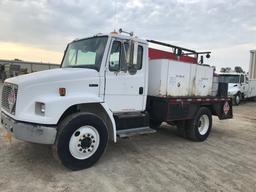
(29, 132)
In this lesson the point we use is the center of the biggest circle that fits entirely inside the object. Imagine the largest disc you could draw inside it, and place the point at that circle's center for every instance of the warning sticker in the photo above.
(226, 108)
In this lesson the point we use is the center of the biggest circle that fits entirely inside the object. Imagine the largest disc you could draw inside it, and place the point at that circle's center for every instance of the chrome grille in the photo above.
(7, 90)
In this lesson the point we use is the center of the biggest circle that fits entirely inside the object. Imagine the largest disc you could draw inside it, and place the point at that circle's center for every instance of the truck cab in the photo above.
(120, 84)
(100, 76)
(238, 85)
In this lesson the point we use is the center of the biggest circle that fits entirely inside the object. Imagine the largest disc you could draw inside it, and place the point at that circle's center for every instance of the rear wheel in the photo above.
(81, 141)
(198, 129)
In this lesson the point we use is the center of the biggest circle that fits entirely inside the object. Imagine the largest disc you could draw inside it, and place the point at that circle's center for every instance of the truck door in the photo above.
(244, 85)
(125, 92)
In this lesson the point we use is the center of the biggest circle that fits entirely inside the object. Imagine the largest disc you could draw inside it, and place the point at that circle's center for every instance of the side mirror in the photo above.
(201, 59)
(127, 53)
(134, 52)
(132, 66)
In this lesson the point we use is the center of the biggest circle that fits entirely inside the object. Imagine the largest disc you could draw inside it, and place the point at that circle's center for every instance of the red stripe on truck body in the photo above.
(159, 54)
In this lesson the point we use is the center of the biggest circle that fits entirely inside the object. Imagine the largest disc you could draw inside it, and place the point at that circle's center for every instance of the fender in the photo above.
(111, 117)
(56, 106)
(233, 91)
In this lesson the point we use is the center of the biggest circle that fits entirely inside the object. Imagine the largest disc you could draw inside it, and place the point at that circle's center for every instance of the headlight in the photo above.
(42, 107)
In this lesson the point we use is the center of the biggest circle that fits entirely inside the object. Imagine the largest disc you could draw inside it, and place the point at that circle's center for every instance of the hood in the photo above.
(233, 88)
(232, 85)
(53, 75)
(43, 87)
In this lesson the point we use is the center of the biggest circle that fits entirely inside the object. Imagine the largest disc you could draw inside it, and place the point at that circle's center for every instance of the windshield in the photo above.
(229, 78)
(86, 53)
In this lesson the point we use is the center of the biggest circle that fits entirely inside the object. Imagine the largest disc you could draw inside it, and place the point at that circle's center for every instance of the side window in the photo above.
(140, 57)
(117, 57)
(114, 61)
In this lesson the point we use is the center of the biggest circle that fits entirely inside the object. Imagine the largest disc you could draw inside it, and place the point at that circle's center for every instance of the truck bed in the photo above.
(170, 109)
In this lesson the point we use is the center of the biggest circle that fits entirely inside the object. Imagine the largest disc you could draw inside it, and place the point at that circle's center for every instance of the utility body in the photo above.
(111, 86)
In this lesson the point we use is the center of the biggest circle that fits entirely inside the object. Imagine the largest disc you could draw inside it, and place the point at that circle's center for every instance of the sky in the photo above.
(39, 30)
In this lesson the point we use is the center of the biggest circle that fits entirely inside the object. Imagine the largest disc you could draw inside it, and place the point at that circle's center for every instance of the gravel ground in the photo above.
(158, 162)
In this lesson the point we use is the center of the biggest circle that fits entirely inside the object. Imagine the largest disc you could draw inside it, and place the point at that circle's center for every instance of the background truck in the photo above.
(241, 85)
(111, 86)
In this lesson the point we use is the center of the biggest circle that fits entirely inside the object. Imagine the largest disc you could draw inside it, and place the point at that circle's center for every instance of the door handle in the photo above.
(141, 90)
(93, 85)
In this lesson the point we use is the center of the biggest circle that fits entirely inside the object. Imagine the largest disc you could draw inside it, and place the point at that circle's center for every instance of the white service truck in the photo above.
(241, 86)
(108, 86)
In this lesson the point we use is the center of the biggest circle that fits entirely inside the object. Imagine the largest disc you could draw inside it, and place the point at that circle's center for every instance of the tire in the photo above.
(237, 99)
(199, 128)
(154, 124)
(82, 139)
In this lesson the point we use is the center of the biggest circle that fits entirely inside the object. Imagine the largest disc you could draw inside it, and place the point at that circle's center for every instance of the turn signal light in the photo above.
(62, 91)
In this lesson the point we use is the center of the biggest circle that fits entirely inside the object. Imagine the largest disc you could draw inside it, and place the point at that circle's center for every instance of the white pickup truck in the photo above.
(240, 87)
(109, 86)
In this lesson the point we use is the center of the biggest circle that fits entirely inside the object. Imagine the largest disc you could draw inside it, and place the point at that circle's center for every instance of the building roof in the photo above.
(2, 61)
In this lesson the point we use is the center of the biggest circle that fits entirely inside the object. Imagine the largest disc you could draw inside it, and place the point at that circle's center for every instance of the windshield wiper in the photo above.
(83, 67)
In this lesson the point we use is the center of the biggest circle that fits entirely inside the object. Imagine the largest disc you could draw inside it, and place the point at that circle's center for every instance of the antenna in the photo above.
(115, 15)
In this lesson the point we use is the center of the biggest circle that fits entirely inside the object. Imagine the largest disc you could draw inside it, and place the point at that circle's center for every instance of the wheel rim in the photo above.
(237, 99)
(84, 142)
(203, 124)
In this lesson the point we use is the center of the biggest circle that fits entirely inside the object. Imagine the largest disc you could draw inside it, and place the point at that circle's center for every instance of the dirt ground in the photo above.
(158, 162)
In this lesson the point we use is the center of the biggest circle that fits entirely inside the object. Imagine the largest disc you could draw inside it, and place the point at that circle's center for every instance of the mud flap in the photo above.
(224, 109)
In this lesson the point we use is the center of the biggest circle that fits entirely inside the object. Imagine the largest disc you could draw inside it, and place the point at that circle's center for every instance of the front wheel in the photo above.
(81, 141)
(237, 99)
(198, 129)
